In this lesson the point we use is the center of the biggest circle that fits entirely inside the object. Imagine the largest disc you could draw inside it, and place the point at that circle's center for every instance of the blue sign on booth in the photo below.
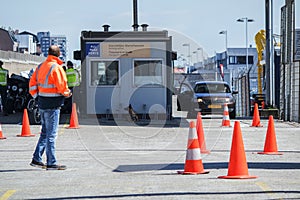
(92, 49)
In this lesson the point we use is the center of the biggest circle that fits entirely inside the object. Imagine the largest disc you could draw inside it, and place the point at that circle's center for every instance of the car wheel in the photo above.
(34, 117)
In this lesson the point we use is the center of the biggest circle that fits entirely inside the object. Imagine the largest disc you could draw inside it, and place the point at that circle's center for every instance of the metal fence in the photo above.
(241, 84)
(290, 68)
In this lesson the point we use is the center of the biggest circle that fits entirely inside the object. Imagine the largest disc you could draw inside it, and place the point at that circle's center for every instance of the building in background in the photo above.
(7, 40)
(61, 41)
(26, 44)
(46, 40)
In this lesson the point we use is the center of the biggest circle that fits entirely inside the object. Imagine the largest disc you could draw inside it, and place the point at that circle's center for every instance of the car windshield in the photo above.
(212, 88)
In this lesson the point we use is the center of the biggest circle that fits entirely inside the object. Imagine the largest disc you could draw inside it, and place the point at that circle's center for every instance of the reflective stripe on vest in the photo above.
(3, 77)
(46, 85)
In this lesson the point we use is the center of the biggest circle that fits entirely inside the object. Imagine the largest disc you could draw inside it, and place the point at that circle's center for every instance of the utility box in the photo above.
(123, 68)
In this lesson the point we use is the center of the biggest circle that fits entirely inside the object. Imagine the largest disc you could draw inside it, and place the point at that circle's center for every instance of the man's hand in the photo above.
(68, 93)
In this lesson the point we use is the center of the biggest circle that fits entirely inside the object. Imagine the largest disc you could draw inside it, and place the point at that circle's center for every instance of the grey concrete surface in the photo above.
(124, 160)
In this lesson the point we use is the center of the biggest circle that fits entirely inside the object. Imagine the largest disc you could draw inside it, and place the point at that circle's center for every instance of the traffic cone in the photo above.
(193, 162)
(25, 126)
(74, 119)
(1, 134)
(270, 142)
(200, 134)
(237, 167)
(256, 118)
(226, 119)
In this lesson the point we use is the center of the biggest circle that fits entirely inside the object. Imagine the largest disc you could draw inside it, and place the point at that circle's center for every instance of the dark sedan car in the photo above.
(207, 97)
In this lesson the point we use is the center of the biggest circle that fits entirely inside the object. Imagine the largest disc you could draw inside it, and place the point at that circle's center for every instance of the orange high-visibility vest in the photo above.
(49, 79)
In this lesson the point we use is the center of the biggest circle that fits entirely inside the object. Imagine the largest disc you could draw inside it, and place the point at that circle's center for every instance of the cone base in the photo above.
(226, 126)
(74, 127)
(238, 177)
(257, 125)
(192, 173)
(205, 152)
(31, 135)
(270, 153)
(2, 138)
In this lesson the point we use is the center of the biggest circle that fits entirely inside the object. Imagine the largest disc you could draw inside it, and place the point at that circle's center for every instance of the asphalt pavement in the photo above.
(125, 160)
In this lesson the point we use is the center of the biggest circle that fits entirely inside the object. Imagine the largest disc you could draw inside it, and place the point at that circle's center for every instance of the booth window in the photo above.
(239, 60)
(147, 72)
(104, 72)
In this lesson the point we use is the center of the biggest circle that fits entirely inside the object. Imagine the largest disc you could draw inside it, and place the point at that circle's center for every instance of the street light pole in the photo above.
(226, 41)
(246, 20)
(226, 45)
(197, 57)
(189, 54)
(224, 32)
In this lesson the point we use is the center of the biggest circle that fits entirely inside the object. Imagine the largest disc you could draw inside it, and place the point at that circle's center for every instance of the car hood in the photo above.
(213, 95)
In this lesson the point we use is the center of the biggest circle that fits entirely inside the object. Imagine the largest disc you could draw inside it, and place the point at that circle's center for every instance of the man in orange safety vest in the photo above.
(48, 84)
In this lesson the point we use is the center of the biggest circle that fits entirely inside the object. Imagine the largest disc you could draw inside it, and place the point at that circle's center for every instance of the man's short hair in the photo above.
(54, 51)
(1, 63)
(69, 64)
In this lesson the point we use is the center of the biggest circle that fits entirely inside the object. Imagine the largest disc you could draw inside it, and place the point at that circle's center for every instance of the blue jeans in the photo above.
(50, 122)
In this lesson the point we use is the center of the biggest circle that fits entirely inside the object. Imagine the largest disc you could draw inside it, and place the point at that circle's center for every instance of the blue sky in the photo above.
(197, 22)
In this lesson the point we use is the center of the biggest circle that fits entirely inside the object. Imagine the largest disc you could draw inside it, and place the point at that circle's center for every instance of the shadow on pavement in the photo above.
(213, 165)
(17, 118)
(170, 194)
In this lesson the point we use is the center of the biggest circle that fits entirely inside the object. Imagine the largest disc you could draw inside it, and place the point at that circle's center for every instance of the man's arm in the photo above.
(61, 82)
(33, 89)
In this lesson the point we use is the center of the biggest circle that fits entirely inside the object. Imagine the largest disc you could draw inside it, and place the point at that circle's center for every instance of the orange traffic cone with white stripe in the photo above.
(237, 167)
(256, 118)
(270, 142)
(226, 119)
(200, 133)
(74, 119)
(25, 126)
(1, 134)
(193, 162)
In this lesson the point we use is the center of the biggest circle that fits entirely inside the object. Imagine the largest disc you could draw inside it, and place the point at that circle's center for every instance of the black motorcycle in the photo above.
(19, 98)
(17, 94)
(33, 112)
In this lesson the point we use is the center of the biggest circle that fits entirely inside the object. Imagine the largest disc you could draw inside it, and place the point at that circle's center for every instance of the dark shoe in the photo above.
(37, 164)
(56, 167)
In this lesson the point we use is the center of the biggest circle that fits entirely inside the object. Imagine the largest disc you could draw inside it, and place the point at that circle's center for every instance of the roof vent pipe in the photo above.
(144, 27)
(135, 27)
(106, 27)
(135, 16)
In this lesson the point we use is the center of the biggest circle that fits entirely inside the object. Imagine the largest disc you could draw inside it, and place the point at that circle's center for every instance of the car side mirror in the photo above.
(235, 92)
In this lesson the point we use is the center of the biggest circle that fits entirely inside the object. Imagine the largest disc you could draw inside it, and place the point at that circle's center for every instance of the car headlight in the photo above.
(199, 100)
